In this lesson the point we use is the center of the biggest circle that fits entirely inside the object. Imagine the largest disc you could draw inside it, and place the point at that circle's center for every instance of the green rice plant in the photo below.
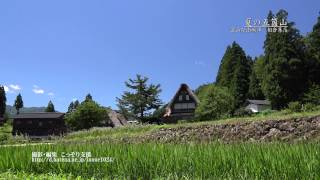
(174, 161)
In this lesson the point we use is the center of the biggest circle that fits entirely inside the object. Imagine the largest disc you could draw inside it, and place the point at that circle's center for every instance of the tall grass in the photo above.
(189, 161)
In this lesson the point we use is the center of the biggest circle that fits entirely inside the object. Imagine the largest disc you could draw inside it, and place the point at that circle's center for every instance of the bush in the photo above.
(313, 95)
(294, 106)
(215, 102)
(241, 112)
(88, 114)
(308, 107)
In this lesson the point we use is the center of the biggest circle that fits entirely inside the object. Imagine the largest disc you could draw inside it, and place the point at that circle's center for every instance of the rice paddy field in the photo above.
(154, 160)
(169, 161)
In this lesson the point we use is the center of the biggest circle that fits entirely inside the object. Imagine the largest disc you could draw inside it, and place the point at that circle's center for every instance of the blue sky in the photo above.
(62, 50)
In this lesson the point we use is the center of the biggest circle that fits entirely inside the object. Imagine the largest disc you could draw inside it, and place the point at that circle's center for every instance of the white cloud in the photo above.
(12, 88)
(15, 87)
(50, 94)
(74, 99)
(6, 89)
(37, 90)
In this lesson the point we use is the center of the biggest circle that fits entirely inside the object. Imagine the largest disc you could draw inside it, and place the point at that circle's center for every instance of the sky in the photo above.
(62, 50)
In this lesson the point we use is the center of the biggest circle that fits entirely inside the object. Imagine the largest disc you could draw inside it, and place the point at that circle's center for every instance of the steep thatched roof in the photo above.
(183, 87)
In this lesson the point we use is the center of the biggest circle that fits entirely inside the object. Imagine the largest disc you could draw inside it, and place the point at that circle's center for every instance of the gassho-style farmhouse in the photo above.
(181, 107)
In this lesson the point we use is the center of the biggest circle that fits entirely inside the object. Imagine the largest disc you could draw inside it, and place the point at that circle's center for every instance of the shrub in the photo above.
(88, 114)
(294, 106)
(312, 95)
(241, 112)
(308, 107)
(215, 102)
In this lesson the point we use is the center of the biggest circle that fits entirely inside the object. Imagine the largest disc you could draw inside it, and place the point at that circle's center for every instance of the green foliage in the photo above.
(295, 106)
(255, 90)
(313, 54)
(312, 95)
(308, 107)
(285, 71)
(158, 113)
(141, 100)
(88, 98)
(242, 112)
(18, 103)
(70, 107)
(88, 114)
(50, 107)
(215, 102)
(234, 72)
(73, 106)
(3, 101)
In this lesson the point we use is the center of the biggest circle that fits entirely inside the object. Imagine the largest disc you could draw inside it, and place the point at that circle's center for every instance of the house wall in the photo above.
(38, 127)
(183, 103)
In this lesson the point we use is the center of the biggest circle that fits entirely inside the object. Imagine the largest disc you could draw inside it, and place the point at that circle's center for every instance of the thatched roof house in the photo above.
(38, 124)
(182, 105)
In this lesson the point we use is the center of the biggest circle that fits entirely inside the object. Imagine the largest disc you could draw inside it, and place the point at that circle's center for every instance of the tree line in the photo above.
(287, 72)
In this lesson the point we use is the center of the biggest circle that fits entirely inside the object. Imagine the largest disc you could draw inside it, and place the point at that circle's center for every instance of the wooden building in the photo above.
(182, 106)
(39, 124)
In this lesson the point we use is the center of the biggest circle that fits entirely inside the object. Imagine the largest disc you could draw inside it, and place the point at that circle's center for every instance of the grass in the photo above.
(165, 161)
(189, 161)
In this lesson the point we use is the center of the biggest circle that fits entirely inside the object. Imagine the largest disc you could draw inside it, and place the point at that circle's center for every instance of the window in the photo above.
(18, 122)
(29, 122)
(191, 106)
(187, 97)
(40, 123)
(180, 97)
(184, 106)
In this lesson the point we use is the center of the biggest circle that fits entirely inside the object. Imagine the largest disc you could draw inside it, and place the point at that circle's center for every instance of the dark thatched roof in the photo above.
(40, 115)
(182, 87)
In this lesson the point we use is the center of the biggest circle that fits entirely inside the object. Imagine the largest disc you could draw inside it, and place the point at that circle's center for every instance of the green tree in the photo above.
(18, 103)
(255, 90)
(50, 107)
(313, 54)
(86, 115)
(284, 79)
(88, 98)
(214, 102)
(70, 107)
(3, 101)
(234, 72)
(76, 104)
(312, 95)
(142, 98)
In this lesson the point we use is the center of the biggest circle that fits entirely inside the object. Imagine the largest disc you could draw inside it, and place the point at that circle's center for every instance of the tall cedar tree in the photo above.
(285, 70)
(234, 72)
(3, 101)
(313, 55)
(255, 90)
(70, 107)
(88, 98)
(142, 99)
(50, 107)
(18, 103)
(73, 106)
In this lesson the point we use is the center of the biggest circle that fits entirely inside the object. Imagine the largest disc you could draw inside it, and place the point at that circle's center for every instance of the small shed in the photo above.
(182, 106)
(258, 105)
(39, 124)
